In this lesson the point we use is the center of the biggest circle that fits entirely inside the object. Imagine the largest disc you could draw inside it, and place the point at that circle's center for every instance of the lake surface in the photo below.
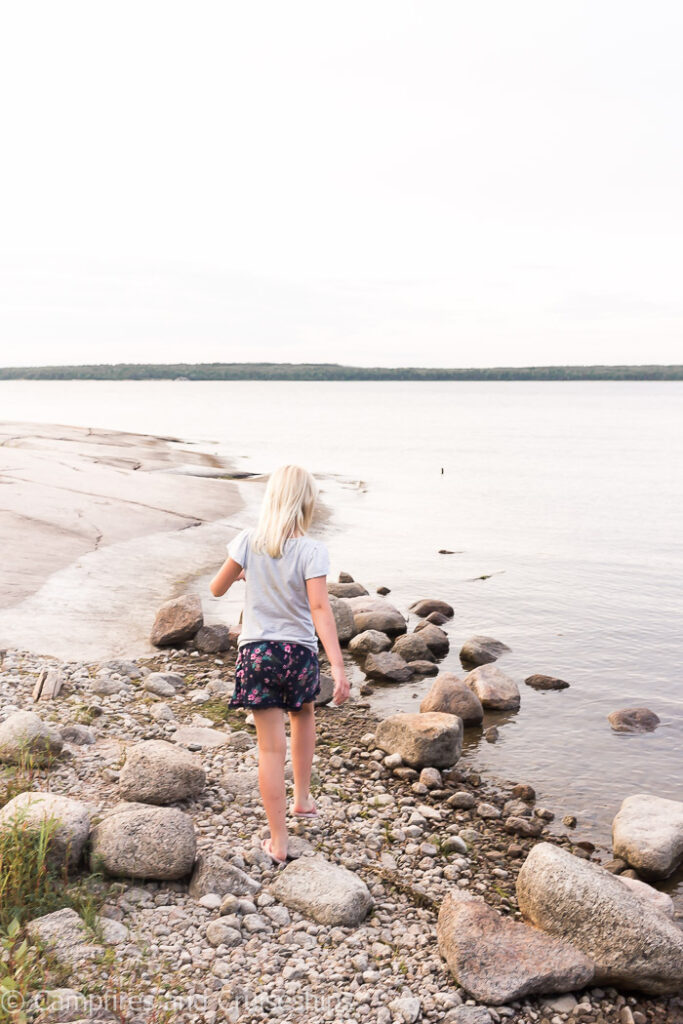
(567, 496)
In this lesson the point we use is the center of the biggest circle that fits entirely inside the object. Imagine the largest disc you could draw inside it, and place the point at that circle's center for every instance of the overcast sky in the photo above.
(438, 182)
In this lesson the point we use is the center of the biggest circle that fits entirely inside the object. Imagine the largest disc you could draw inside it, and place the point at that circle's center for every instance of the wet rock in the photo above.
(158, 772)
(376, 613)
(541, 682)
(383, 591)
(436, 618)
(143, 841)
(423, 740)
(450, 695)
(648, 834)
(633, 944)
(481, 650)
(428, 605)
(25, 736)
(495, 690)
(32, 809)
(412, 647)
(212, 873)
(525, 792)
(370, 641)
(343, 617)
(633, 720)
(213, 639)
(497, 960)
(491, 735)
(177, 620)
(326, 892)
(423, 668)
(387, 667)
(350, 589)
(436, 638)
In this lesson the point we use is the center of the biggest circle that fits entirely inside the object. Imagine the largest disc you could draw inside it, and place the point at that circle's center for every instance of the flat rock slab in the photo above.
(212, 873)
(191, 734)
(495, 690)
(497, 960)
(327, 892)
(633, 944)
(633, 720)
(431, 740)
(482, 650)
(648, 834)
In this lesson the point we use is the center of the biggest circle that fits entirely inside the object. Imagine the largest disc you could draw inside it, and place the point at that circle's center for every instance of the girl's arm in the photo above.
(326, 628)
(228, 573)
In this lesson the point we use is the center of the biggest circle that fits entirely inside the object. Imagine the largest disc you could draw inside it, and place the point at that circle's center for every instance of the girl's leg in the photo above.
(302, 725)
(272, 750)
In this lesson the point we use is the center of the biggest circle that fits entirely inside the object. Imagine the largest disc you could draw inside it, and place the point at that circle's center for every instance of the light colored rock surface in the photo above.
(212, 873)
(633, 944)
(177, 620)
(497, 960)
(661, 900)
(376, 613)
(327, 892)
(158, 772)
(423, 740)
(648, 834)
(66, 936)
(495, 690)
(370, 641)
(452, 696)
(191, 735)
(143, 841)
(482, 650)
(343, 617)
(633, 720)
(412, 647)
(387, 667)
(70, 835)
(162, 684)
(24, 735)
(351, 589)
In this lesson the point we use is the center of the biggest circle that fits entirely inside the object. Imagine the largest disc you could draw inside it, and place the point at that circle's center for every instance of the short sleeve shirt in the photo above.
(276, 602)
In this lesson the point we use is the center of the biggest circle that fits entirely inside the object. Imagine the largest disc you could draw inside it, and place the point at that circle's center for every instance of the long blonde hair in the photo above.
(287, 509)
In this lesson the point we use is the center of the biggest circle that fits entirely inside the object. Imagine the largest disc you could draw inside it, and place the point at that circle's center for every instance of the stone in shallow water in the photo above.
(370, 641)
(648, 834)
(541, 682)
(376, 613)
(428, 605)
(327, 892)
(633, 720)
(450, 695)
(412, 647)
(388, 667)
(481, 650)
(497, 960)
(495, 690)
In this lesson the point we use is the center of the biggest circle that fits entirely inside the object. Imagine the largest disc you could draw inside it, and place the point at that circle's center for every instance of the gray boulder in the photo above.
(633, 720)
(412, 647)
(633, 944)
(387, 667)
(431, 740)
(495, 690)
(326, 690)
(497, 960)
(481, 650)
(66, 935)
(24, 735)
(213, 639)
(343, 617)
(177, 620)
(349, 589)
(376, 613)
(212, 873)
(370, 641)
(142, 841)
(77, 733)
(450, 695)
(163, 684)
(71, 821)
(423, 668)
(158, 772)
(435, 638)
(328, 893)
(428, 605)
(648, 834)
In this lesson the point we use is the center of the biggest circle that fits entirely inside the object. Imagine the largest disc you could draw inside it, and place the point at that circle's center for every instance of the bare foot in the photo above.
(306, 808)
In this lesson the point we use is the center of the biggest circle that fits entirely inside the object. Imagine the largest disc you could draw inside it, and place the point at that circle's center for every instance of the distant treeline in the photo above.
(330, 371)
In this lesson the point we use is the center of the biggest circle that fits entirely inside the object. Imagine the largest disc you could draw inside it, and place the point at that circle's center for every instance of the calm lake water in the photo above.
(567, 496)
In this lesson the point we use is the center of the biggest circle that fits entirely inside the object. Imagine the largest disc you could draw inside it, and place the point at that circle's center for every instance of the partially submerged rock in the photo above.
(370, 641)
(450, 695)
(497, 960)
(435, 638)
(388, 667)
(423, 740)
(158, 772)
(495, 690)
(142, 841)
(633, 944)
(71, 823)
(376, 613)
(348, 589)
(428, 605)
(412, 647)
(481, 650)
(541, 682)
(24, 736)
(648, 834)
(177, 620)
(633, 720)
(328, 893)
(343, 617)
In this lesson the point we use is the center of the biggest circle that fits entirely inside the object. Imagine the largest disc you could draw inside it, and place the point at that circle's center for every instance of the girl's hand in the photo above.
(241, 576)
(342, 687)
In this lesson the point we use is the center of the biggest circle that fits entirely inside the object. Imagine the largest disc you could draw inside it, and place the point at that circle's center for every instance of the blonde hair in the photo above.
(287, 508)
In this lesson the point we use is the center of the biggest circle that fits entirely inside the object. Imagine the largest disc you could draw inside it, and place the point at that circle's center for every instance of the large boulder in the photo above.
(495, 690)
(450, 695)
(177, 620)
(349, 589)
(633, 720)
(436, 638)
(387, 667)
(376, 613)
(481, 650)
(343, 618)
(328, 893)
(25, 736)
(139, 840)
(428, 605)
(370, 641)
(497, 960)
(430, 740)
(412, 647)
(31, 810)
(648, 834)
(158, 772)
(633, 944)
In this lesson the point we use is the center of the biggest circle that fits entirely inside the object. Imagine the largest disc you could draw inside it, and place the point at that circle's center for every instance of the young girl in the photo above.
(277, 669)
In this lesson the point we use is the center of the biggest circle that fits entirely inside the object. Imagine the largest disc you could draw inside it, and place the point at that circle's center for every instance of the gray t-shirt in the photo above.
(276, 602)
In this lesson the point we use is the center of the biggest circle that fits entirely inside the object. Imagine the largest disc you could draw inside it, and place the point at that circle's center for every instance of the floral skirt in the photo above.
(275, 674)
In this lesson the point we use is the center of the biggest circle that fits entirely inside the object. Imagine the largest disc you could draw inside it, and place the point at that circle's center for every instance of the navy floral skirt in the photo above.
(275, 674)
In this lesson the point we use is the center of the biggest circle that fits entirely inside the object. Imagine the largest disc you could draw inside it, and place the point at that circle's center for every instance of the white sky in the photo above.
(382, 182)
